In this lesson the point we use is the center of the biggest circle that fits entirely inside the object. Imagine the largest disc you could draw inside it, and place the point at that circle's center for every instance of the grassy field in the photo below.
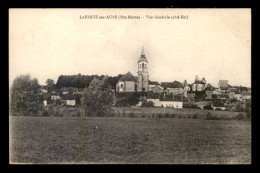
(181, 112)
(129, 140)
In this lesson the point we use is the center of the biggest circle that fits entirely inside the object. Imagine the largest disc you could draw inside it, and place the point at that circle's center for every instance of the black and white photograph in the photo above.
(130, 86)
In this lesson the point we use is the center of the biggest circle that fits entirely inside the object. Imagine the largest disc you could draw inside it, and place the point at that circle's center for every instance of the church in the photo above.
(139, 83)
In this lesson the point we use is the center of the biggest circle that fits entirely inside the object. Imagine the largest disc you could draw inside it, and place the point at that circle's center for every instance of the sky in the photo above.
(211, 43)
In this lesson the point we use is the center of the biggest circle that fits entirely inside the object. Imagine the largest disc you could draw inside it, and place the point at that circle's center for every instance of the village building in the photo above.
(171, 101)
(46, 98)
(42, 90)
(155, 87)
(199, 85)
(68, 99)
(166, 100)
(55, 96)
(246, 96)
(238, 96)
(209, 94)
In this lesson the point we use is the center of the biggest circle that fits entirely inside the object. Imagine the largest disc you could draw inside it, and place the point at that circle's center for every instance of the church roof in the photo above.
(128, 77)
(142, 57)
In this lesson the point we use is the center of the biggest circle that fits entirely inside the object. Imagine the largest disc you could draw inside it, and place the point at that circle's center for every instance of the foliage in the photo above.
(24, 96)
(190, 105)
(127, 99)
(83, 81)
(49, 83)
(208, 107)
(97, 98)
(146, 103)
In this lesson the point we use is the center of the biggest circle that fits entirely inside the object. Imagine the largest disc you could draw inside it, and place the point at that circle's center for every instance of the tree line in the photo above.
(83, 81)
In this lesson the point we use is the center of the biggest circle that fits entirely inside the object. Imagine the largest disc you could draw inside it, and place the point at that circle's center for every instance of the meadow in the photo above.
(129, 140)
(152, 112)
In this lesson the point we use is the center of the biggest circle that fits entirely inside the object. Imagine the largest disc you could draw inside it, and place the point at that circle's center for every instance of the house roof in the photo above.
(68, 97)
(54, 94)
(170, 97)
(128, 77)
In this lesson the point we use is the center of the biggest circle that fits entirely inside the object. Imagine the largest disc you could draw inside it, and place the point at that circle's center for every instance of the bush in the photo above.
(209, 116)
(189, 105)
(159, 115)
(195, 116)
(131, 114)
(208, 107)
(173, 115)
(166, 115)
(240, 117)
(45, 113)
(248, 114)
(150, 104)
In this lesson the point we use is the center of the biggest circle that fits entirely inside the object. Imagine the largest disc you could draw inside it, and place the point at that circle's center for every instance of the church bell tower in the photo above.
(143, 77)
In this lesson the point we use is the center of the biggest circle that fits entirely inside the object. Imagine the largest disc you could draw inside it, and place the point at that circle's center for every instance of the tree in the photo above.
(49, 83)
(98, 98)
(24, 96)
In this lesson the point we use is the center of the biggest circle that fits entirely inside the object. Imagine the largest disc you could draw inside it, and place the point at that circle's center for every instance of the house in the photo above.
(155, 87)
(246, 96)
(209, 94)
(46, 98)
(175, 91)
(231, 94)
(165, 100)
(199, 85)
(42, 90)
(68, 99)
(171, 101)
(218, 105)
(79, 91)
(225, 97)
(55, 96)
(238, 96)
(66, 90)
